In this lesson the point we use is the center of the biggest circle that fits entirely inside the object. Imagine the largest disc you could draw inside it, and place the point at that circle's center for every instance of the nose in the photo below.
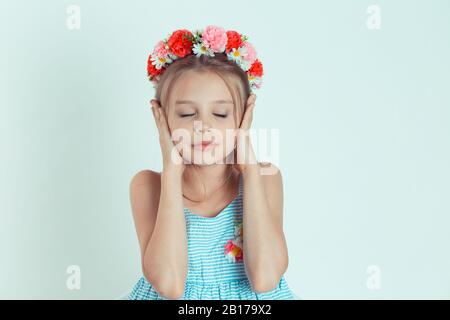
(201, 127)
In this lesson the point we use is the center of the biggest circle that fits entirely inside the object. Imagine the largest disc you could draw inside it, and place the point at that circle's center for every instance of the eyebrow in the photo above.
(222, 101)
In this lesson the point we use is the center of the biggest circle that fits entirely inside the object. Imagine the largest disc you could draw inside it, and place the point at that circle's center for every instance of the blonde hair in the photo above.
(234, 77)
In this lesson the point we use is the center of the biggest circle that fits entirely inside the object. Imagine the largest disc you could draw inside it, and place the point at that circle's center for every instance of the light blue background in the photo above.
(364, 125)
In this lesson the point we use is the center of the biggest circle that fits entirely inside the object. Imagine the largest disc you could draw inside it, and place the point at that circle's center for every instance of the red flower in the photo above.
(256, 69)
(151, 69)
(180, 43)
(233, 40)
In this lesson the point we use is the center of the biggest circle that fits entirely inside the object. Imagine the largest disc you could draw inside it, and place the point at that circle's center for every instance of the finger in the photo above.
(154, 103)
(163, 123)
(251, 99)
(167, 136)
(248, 117)
(156, 115)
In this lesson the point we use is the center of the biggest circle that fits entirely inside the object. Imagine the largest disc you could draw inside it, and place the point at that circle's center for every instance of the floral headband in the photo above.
(211, 40)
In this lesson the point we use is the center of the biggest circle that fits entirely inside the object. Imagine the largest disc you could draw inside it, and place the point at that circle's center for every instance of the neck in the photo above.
(213, 177)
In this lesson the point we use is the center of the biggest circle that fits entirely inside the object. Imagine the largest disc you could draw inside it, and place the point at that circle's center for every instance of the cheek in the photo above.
(181, 133)
(228, 138)
(175, 123)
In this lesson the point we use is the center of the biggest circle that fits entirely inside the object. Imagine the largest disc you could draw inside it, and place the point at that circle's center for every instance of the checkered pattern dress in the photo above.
(216, 263)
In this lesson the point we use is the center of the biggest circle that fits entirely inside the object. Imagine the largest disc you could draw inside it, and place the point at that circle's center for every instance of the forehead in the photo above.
(200, 87)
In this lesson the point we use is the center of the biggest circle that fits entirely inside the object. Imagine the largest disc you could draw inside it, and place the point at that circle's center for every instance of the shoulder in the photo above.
(145, 178)
(144, 194)
(144, 190)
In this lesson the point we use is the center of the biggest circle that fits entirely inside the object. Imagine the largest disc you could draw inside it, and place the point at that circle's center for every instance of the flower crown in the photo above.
(211, 40)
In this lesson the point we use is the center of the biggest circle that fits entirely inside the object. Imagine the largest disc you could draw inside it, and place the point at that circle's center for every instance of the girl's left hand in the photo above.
(244, 155)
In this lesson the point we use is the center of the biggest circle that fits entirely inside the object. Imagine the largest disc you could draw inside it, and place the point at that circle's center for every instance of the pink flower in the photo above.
(250, 55)
(215, 38)
(229, 246)
(160, 50)
(233, 252)
(257, 85)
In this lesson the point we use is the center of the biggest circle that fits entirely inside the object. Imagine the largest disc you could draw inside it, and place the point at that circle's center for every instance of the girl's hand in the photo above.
(172, 159)
(244, 155)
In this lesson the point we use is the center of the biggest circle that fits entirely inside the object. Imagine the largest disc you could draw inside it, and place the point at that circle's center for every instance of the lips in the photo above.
(203, 145)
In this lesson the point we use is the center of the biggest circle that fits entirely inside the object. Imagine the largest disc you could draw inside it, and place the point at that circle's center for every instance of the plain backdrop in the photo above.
(363, 117)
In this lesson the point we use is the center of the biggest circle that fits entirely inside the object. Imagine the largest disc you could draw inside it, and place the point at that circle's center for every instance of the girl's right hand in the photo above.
(172, 159)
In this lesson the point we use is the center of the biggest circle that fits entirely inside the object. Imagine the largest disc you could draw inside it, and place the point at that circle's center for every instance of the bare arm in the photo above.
(158, 213)
(265, 250)
(165, 257)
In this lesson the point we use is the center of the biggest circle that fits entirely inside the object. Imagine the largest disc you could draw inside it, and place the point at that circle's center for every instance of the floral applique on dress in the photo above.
(233, 248)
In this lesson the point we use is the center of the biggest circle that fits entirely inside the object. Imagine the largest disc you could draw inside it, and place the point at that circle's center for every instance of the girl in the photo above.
(210, 224)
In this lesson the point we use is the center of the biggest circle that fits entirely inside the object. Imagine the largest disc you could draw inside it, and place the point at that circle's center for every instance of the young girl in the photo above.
(210, 225)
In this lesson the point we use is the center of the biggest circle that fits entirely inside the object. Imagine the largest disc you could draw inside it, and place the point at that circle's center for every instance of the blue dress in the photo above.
(215, 265)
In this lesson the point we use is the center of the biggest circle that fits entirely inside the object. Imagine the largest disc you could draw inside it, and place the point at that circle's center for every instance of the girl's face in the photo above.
(201, 111)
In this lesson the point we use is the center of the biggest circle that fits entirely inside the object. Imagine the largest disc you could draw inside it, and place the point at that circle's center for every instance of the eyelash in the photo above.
(191, 114)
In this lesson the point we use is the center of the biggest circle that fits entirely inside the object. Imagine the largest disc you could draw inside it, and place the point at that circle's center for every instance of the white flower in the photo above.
(236, 55)
(199, 49)
(160, 62)
(230, 258)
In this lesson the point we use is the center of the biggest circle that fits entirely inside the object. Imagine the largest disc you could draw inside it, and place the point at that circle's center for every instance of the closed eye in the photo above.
(191, 114)
(187, 115)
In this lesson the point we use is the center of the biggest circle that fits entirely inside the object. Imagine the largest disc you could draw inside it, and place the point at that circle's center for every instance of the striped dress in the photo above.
(215, 265)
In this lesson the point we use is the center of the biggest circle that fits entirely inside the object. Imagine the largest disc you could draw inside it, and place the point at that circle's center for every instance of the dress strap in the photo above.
(241, 186)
